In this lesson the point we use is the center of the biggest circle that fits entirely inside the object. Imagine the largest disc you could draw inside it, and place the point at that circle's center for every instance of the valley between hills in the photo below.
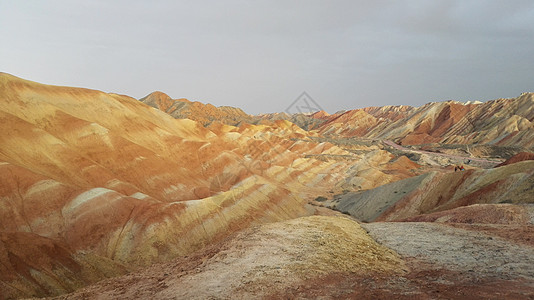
(103, 196)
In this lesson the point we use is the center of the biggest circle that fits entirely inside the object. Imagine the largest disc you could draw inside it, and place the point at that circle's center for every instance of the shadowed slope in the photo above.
(436, 191)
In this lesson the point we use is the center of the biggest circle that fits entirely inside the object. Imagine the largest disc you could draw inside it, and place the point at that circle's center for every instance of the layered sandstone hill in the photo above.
(502, 122)
(207, 114)
(197, 111)
(95, 184)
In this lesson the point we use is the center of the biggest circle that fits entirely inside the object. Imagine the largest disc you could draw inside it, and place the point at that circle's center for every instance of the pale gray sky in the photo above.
(261, 55)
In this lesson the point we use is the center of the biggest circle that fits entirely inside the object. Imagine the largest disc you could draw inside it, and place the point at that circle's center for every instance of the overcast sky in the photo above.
(261, 55)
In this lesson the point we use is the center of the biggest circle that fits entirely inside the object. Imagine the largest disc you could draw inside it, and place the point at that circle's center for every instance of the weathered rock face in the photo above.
(111, 183)
(503, 122)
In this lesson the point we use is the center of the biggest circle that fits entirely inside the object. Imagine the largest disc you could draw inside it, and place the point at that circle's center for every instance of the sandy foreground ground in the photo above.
(335, 257)
(460, 261)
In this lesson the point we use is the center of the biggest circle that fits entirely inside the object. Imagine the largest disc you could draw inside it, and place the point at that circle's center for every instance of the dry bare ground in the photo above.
(259, 262)
(469, 252)
(332, 257)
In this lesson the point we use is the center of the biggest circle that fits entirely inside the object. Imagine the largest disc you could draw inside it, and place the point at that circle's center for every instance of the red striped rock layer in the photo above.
(501, 122)
(438, 192)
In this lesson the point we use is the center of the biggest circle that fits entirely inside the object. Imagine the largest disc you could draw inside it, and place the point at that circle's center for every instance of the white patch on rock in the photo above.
(139, 196)
(42, 186)
(87, 196)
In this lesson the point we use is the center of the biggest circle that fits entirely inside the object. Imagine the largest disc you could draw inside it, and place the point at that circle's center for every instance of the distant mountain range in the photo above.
(501, 122)
(197, 111)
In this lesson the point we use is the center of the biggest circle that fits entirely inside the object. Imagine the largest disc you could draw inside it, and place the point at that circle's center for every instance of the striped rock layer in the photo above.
(94, 184)
(502, 122)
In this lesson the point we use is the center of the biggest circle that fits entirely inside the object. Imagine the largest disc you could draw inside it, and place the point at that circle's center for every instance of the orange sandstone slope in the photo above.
(502, 122)
(99, 183)
(104, 174)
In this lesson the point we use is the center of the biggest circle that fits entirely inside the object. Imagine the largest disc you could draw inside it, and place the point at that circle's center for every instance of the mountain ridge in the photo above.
(197, 111)
(501, 122)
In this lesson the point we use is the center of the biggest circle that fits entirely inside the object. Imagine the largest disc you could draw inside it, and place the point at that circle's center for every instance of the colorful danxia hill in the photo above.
(103, 196)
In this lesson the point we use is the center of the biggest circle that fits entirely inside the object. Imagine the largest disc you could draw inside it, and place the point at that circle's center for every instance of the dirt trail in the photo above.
(456, 157)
